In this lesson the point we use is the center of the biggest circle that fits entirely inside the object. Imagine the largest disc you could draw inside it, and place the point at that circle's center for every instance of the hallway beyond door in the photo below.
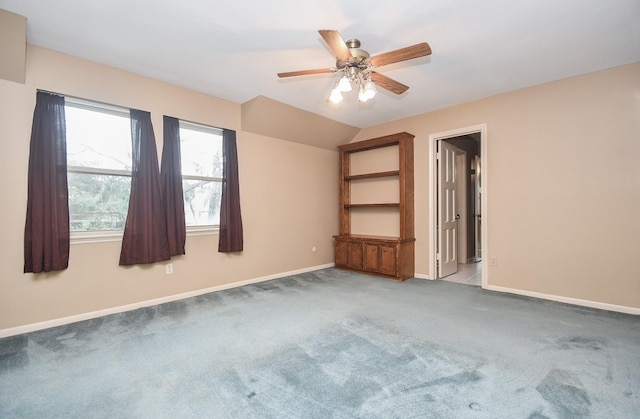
(468, 273)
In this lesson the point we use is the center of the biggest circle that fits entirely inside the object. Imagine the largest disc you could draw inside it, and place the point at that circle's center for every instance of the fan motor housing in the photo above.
(359, 57)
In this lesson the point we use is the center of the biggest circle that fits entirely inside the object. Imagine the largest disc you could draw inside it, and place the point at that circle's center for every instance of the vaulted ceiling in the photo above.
(234, 49)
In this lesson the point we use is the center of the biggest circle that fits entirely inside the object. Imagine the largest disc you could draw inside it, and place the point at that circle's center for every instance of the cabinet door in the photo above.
(388, 259)
(372, 257)
(355, 255)
(341, 254)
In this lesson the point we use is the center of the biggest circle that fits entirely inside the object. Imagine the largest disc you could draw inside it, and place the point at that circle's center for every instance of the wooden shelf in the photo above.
(386, 205)
(373, 175)
(390, 257)
(368, 238)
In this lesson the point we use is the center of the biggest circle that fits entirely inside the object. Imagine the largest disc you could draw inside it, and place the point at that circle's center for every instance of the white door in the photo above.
(478, 209)
(447, 211)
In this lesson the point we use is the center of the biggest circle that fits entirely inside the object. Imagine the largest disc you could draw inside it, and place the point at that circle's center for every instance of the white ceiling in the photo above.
(233, 49)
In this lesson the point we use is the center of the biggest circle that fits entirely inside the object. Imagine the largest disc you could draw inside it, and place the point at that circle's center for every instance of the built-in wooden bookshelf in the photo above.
(391, 257)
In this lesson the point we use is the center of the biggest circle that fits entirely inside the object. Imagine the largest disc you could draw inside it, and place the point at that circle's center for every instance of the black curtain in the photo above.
(46, 232)
(231, 235)
(145, 232)
(171, 182)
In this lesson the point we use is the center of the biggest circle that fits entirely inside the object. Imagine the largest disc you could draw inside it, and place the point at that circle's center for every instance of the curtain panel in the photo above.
(171, 183)
(145, 232)
(46, 233)
(231, 234)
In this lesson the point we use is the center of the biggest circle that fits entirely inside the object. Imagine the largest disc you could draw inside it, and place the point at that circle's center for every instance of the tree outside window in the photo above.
(98, 164)
(99, 168)
(201, 160)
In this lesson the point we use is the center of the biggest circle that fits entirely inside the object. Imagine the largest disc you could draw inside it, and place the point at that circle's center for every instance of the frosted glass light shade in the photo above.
(335, 96)
(344, 84)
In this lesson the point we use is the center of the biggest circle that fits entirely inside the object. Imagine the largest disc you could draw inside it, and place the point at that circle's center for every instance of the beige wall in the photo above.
(563, 182)
(563, 170)
(288, 192)
(13, 46)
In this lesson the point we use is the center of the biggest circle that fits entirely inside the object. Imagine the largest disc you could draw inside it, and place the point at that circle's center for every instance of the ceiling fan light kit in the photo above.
(368, 91)
(365, 87)
(344, 84)
(356, 67)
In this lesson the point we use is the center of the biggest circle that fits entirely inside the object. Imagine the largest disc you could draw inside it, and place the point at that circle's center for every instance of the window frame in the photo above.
(209, 229)
(101, 236)
(97, 236)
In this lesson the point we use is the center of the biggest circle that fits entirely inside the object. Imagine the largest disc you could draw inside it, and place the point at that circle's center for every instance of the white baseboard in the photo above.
(568, 300)
(120, 309)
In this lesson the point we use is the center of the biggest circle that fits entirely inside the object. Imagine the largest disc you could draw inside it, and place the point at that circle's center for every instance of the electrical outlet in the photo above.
(494, 262)
(313, 249)
(168, 269)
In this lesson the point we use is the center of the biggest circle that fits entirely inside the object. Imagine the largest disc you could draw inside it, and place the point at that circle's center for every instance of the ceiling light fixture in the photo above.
(368, 91)
(354, 73)
(354, 77)
(344, 84)
(336, 95)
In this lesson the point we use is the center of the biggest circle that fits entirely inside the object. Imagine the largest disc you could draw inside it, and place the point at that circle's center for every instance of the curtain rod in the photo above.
(71, 97)
(48, 91)
(80, 99)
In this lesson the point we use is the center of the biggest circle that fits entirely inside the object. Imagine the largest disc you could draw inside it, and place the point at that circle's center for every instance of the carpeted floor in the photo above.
(331, 344)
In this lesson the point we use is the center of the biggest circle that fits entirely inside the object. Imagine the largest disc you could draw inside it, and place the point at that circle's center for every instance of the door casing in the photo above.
(433, 198)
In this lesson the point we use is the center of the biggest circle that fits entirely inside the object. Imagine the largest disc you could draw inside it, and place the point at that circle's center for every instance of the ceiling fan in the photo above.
(358, 66)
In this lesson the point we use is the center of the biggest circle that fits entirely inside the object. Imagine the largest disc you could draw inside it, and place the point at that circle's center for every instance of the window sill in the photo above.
(202, 230)
(85, 237)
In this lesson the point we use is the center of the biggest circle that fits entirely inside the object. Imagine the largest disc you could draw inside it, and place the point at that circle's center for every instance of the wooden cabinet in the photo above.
(389, 260)
(371, 257)
(342, 254)
(384, 256)
(391, 257)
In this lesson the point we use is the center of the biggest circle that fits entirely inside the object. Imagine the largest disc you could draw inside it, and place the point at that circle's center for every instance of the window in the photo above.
(201, 160)
(98, 165)
(99, 168)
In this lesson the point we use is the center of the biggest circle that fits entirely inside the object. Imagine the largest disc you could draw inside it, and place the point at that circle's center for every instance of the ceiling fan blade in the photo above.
(389, 84)
(306, 72)
(336, 43)
(402, 54)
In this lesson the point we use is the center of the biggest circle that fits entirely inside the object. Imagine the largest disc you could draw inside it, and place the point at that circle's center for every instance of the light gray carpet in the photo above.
(331, 344)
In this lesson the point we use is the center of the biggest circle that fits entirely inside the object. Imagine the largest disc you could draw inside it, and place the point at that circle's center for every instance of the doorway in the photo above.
(457, 225)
